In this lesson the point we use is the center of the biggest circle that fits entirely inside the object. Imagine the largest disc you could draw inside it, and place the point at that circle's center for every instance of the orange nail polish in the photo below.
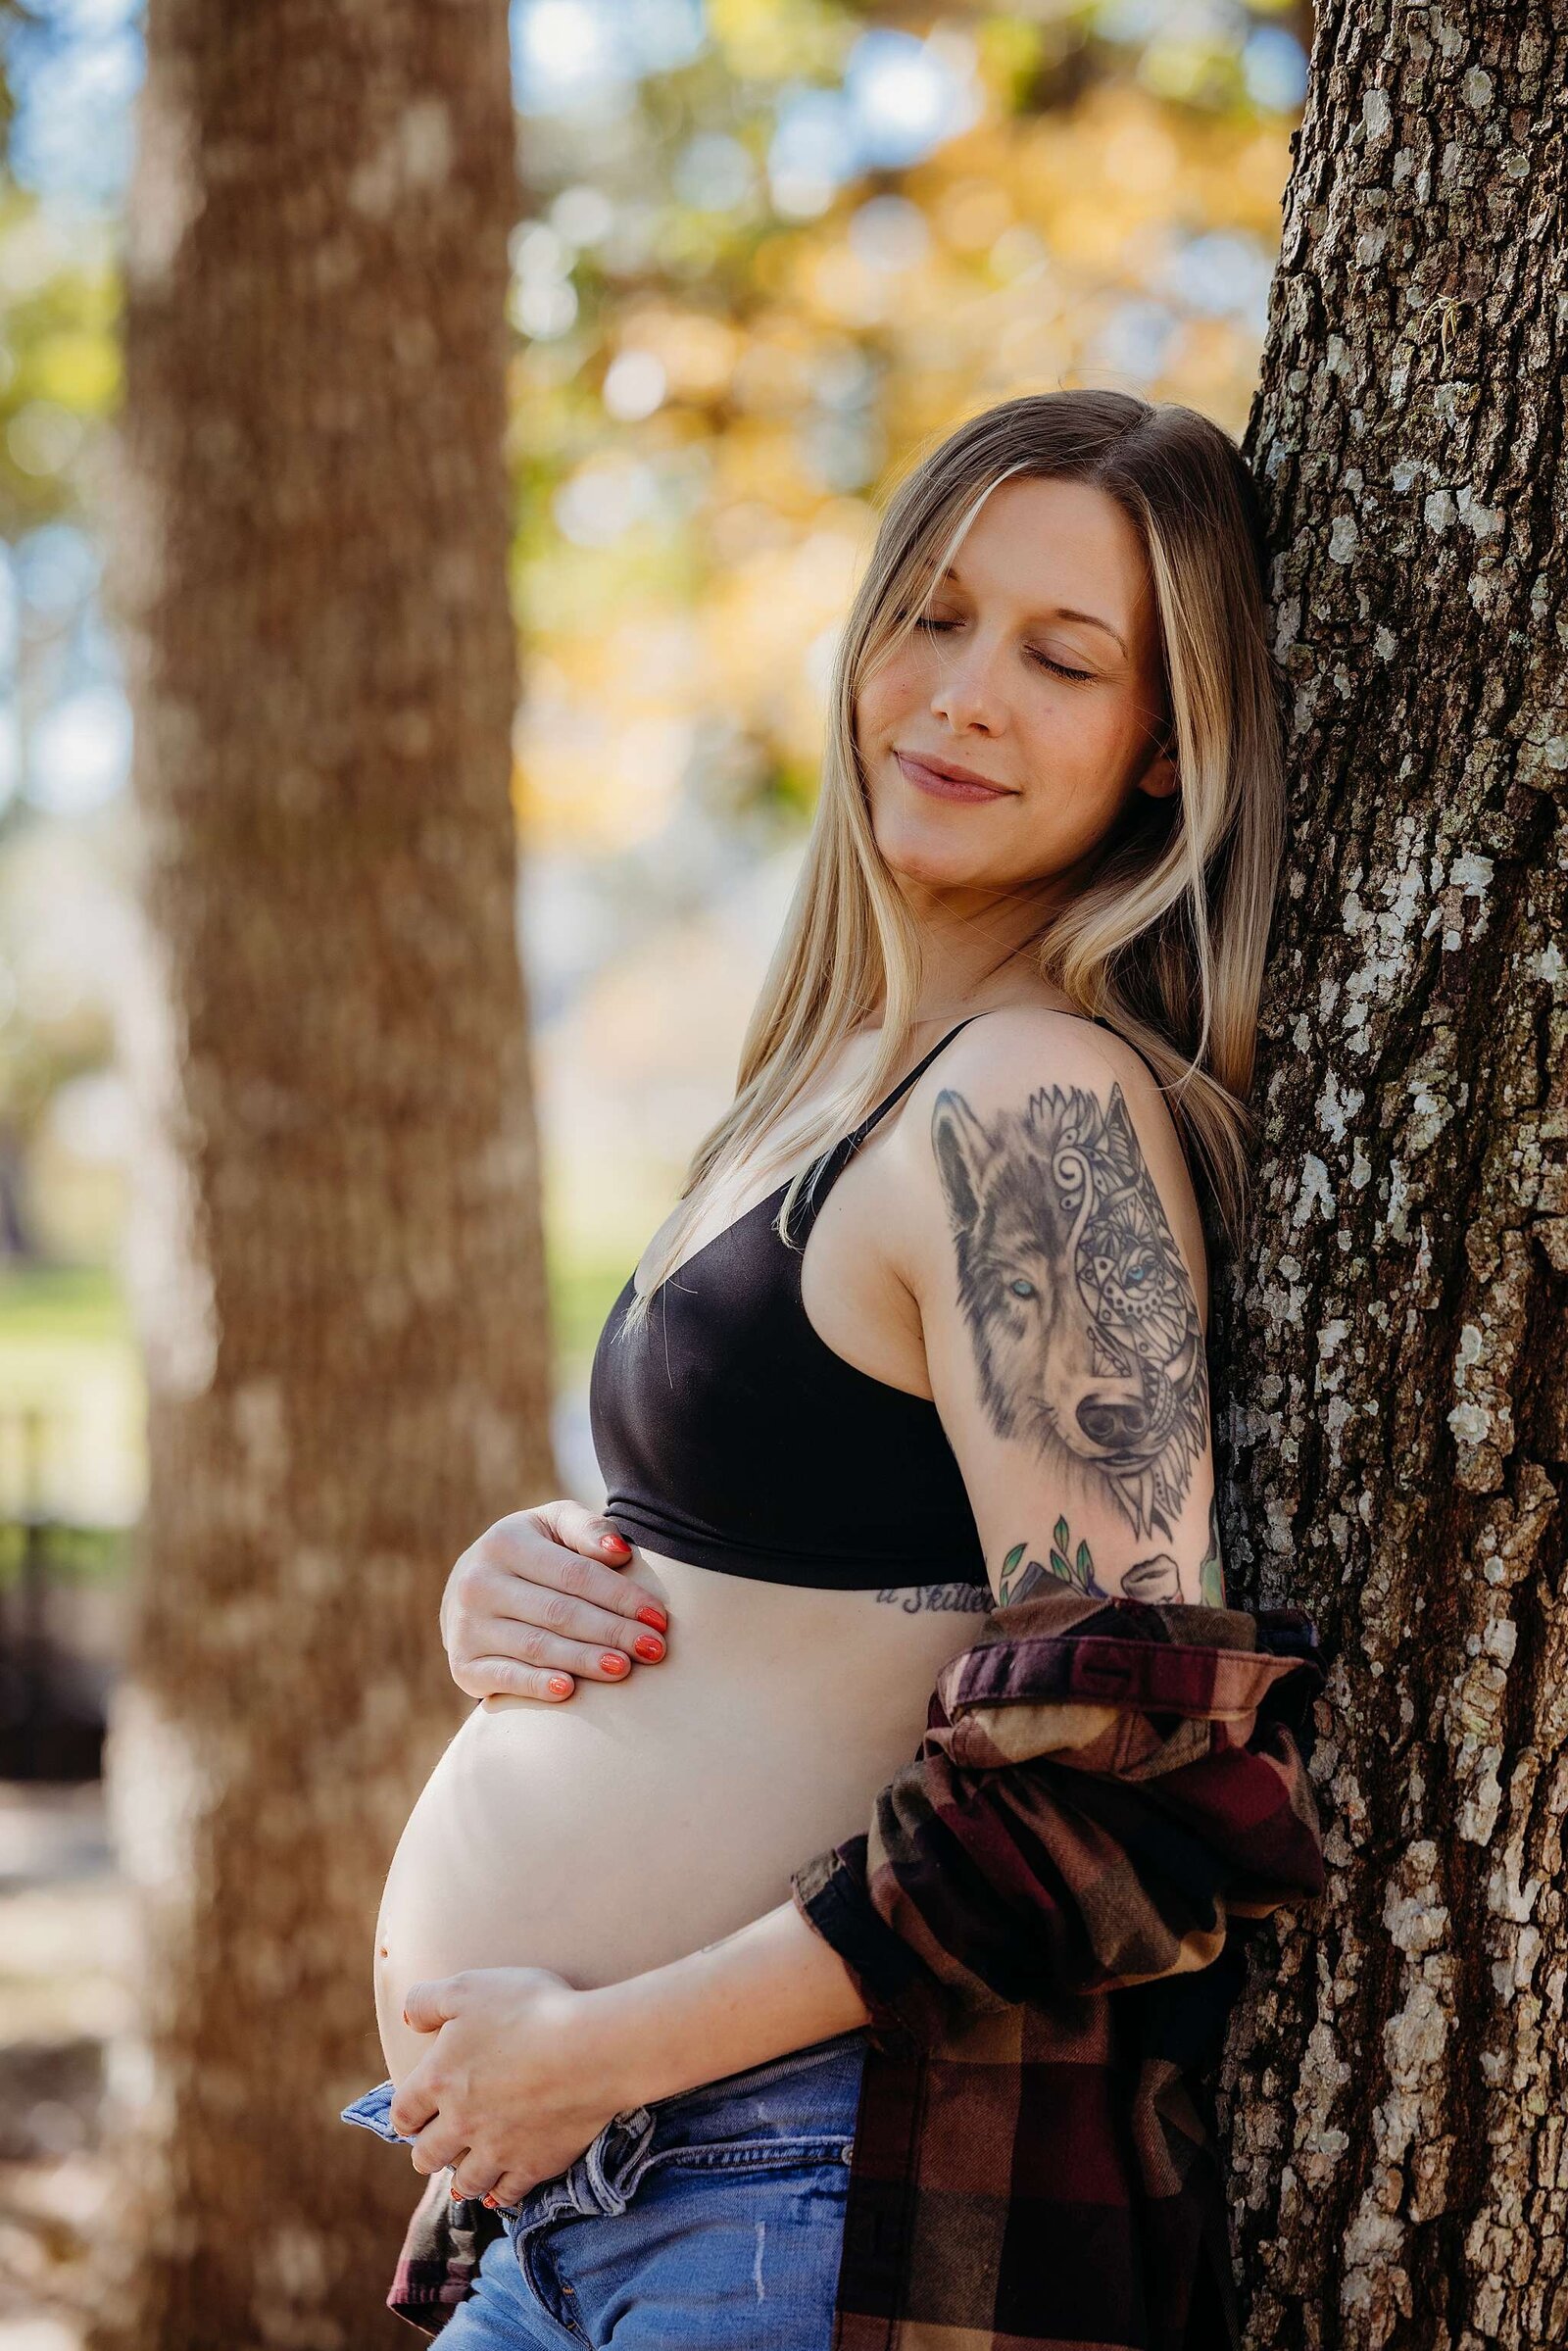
(648, 1648)
(654, 1617)
(613, 1662)
(561, 1687)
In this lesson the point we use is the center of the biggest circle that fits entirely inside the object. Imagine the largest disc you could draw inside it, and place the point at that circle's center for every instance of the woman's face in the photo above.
(1034, 667)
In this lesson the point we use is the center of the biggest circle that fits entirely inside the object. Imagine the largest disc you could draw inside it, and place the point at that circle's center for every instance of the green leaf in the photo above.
(1059, 1534)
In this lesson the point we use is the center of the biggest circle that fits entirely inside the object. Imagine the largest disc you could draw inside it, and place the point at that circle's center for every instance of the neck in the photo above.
(975, 950)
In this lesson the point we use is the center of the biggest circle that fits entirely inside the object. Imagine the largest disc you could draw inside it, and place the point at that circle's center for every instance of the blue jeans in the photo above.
(711, 2221)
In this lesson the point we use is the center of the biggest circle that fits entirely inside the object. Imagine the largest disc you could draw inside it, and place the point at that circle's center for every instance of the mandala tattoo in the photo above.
(1081, 1313)
(1157, 1578)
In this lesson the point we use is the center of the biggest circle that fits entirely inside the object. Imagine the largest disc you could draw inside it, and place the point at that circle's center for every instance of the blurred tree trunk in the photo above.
(1395, 1343)
(336, 1255)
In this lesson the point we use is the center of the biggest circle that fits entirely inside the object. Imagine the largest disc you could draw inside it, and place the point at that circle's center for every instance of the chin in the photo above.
(935, 855)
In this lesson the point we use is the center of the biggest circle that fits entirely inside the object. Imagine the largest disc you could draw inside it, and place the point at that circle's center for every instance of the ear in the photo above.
(1121, 1140)
(958, 1141)
(1159, 778)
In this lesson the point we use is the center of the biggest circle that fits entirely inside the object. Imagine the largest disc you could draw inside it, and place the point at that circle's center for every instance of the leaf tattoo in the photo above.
(1081, 1313)
(1155, 1578)
(1016, 1582)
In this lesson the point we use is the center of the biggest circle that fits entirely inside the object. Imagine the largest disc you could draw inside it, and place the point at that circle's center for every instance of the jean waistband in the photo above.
(837, 2050)
(606, 2175)
(371, 2108)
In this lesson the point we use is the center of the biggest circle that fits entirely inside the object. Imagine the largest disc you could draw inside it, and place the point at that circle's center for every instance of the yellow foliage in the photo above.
(697, 351)
(762, 460)
(773, 40)
(972, 215)
(80, 370)
(766, 617)
(1053, 242)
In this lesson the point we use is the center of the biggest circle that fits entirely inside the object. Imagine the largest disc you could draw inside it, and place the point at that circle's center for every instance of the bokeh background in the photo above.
(769, 248)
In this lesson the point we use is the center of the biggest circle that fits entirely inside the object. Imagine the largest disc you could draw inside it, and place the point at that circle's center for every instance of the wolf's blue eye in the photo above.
(1021, 1288)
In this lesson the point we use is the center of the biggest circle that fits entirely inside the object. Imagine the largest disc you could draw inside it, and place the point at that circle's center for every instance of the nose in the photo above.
(967, 693)
(1112, 1421)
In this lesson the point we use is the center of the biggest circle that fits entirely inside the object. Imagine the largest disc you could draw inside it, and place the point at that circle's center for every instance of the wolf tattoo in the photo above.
(1083, 1319)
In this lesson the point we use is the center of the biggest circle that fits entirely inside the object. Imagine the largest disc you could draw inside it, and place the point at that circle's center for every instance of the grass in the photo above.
(582, 1291)
(78, 1304)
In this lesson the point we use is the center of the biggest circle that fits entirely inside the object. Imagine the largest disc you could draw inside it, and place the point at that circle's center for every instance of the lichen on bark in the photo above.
(1394, 1448)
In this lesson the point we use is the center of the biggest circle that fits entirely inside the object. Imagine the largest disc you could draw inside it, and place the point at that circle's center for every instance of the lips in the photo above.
(946, 782)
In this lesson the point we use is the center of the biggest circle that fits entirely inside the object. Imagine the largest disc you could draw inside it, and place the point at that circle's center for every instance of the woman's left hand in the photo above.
(518, 2085)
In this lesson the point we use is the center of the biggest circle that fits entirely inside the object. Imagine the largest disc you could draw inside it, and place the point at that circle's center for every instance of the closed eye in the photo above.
(1081, 676)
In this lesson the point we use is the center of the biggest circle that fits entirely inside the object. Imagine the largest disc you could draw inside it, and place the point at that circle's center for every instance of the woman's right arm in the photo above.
(1104, 1788)
(538, 1602)
(1103, 1785)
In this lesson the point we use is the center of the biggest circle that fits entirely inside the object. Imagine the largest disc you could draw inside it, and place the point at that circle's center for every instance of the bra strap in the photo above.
(854, 1140)
(826, 1170)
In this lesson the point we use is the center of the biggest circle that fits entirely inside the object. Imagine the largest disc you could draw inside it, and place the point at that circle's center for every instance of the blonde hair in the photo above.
(1167, 937)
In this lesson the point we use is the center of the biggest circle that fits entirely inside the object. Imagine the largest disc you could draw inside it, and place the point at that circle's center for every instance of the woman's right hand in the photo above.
(536, 1603)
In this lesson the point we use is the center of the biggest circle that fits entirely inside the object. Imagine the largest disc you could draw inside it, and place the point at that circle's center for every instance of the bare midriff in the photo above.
(634, 1822)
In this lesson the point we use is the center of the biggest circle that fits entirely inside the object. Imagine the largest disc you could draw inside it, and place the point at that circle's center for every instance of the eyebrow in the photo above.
(1061, 612)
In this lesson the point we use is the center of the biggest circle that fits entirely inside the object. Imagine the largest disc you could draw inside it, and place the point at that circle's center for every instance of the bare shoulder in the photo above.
(1089, 1082)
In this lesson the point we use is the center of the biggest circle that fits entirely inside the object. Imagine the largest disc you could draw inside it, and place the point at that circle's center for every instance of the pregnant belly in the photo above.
(631, 1825)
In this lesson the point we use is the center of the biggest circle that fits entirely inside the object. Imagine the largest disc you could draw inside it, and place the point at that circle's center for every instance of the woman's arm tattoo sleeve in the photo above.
(1080, 1310)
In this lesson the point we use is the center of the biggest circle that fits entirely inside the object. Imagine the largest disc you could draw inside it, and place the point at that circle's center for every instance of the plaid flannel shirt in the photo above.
(1046, 1919)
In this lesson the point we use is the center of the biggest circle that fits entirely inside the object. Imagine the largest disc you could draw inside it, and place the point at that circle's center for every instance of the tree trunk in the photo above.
(1395, 1343)
(335, 1255)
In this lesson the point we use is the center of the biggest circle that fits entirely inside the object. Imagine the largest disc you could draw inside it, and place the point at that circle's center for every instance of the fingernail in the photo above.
(648, 1648)
(614, 1543)
(491, 2202)
(613, 1662)
(654, 1617)
(561, 1687)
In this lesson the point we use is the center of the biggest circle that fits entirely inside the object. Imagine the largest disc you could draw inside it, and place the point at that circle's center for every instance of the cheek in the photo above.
(1066, 822)
(882, 700)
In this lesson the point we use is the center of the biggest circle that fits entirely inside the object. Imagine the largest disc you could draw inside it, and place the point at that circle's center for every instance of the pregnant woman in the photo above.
(922, 1343)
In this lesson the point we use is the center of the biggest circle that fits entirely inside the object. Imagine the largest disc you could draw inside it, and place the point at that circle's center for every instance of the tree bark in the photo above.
(335, 1258)
(1394, 1458)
